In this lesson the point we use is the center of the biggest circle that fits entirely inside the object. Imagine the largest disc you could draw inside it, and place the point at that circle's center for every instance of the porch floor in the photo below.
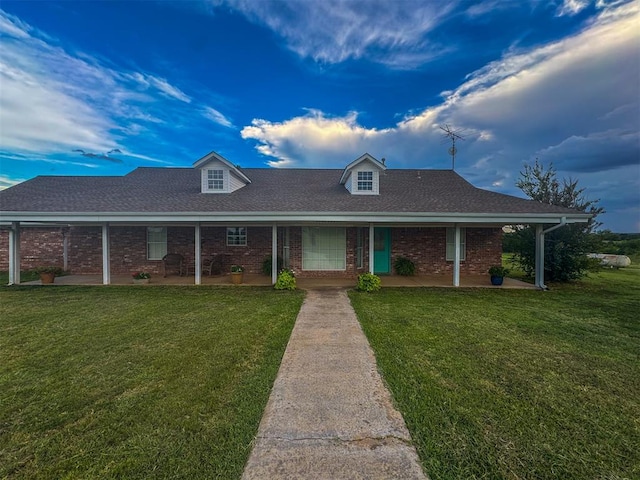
(479, 281)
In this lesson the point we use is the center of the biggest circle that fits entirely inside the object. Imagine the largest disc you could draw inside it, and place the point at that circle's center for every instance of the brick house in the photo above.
(318, 222)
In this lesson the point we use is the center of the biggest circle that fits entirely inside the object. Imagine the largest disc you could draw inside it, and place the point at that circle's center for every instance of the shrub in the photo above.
(286, 280)
(368, 282)
(49, 269)
(267, 264)
(404, 266)
(498, 271)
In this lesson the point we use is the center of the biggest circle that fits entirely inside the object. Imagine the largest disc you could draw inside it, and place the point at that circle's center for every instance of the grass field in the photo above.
(515, 384)
(127, 382)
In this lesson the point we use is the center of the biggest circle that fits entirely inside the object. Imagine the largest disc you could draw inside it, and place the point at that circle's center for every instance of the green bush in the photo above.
(286, 280)
(404, 266)
(267, 263)
(368, 282)
(498, 271)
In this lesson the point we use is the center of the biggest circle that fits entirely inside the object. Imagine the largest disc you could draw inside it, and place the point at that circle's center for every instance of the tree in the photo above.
(566, 248)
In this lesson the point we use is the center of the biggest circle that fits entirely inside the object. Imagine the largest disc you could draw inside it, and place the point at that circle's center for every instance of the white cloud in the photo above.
(168, 89)
(312, 140)
(573, 101)
(6, 182)
(54, 100)
(216, 117)
(332, 31)
(572, 7)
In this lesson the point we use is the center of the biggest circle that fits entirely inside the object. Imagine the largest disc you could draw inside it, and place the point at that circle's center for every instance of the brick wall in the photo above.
(38, 247)
(426, 247)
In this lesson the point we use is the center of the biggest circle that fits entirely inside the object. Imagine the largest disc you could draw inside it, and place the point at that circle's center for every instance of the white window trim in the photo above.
(231, 231)
(305, 266)
(353, 183)
(368, 181)
(205, 180)
(450, 245)
(163, 231)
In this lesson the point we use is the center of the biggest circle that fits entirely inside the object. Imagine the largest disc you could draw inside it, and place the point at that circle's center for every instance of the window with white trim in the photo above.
(237, 236)
(156, 243)
(451, 244)
(215, 180)
(365, 181)
(324, 248)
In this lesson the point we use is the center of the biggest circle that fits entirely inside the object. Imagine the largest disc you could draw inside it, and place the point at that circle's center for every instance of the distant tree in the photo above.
(566, 248)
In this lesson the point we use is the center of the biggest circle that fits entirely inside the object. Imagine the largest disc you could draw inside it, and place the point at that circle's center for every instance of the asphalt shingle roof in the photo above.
(167, 190)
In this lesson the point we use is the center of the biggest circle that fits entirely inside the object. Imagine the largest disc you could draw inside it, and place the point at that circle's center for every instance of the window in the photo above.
(237, 236)
(365, 181)
(215, 179)
(156, 243)
(324, 248)
(451, 244)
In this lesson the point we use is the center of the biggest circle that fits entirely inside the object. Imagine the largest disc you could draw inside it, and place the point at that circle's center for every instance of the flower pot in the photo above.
(141, 281)
(47, 278)
(236, 277)
(495, 280)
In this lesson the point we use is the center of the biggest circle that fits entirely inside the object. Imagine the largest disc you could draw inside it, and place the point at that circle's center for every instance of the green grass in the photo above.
(514, 383)
(25, 276)
(125, 382)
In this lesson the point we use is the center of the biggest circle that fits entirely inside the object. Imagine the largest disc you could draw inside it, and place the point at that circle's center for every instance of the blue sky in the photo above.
(99, 88)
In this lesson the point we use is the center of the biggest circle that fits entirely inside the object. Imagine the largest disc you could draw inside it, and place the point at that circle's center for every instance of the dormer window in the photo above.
(218, 175)
(362, 176)
(365, 181)
(215, 180)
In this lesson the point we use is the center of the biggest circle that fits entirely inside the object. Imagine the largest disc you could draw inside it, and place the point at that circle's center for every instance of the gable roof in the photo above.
(364, 158)
(273, 193)
(212, 157)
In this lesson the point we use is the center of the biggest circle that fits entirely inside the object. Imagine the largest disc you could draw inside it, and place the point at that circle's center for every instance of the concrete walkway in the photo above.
(329, 415)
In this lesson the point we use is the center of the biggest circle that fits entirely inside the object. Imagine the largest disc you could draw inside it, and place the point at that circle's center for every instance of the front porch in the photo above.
(466, 281)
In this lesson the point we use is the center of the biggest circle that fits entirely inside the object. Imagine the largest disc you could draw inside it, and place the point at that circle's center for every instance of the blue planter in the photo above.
(496, 280)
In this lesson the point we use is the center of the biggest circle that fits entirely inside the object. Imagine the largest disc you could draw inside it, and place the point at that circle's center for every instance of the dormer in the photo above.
(218, 175)
(362, 176)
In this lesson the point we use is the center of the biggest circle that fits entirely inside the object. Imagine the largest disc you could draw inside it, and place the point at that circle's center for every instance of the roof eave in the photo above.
(7, 218)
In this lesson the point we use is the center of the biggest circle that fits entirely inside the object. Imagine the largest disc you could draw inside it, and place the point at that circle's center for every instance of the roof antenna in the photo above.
(453, 135)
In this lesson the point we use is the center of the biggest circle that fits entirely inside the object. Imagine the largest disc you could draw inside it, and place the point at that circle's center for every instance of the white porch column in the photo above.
(539, 263)
(456, 258)
(274, 254)
(14, 254)
(371, 248)
(198, 255)
(106, 256)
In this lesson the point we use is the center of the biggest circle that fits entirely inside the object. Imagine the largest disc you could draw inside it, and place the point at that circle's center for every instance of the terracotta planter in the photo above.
(236, 277)
(141, 281)
(47, 278)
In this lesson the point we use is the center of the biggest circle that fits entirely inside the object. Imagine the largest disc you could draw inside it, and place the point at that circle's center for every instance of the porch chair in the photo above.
(174, 262)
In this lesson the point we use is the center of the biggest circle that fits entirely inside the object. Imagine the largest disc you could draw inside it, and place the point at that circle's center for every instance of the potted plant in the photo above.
(497, 273)
(237, 272)
(48, 273)
(141, 277)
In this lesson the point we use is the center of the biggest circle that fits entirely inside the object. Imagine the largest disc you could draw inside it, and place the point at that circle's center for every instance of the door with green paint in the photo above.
(381, 251)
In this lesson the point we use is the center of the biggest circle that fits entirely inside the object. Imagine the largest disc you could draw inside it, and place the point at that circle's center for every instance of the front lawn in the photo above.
(136, 382)
(515, 383)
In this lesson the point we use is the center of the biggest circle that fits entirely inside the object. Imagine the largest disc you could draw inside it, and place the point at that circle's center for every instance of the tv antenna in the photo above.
(454, 135)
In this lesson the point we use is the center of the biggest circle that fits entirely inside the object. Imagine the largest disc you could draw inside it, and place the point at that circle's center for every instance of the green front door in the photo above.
(381, 251)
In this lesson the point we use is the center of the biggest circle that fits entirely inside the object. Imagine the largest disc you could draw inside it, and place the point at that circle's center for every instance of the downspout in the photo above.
(540, 233)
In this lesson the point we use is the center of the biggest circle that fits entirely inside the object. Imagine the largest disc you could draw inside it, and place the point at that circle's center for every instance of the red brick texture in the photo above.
(425, 246)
